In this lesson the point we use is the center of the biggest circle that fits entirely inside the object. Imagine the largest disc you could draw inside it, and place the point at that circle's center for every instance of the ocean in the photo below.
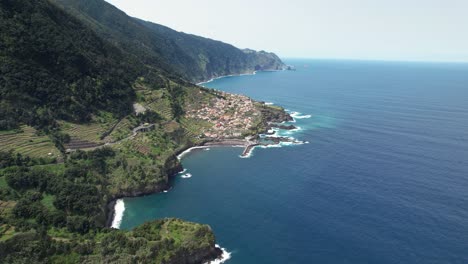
(382, 176)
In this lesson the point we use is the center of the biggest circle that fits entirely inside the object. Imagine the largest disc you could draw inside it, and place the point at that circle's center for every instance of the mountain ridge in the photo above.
(193, 57)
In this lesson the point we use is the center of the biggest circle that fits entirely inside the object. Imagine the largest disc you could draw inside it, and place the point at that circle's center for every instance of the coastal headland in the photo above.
(94, 112)
(211, 119)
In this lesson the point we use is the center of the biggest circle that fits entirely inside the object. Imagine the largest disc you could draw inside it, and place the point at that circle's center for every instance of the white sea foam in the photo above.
(188, 151)
(249, 154)
(119, 210)
(186, 176)
(210, 80)
(224, 256)
(269, 103)
(207, 149)
(291, 131)
(184, 171)
(298, 115)
(295, 129)
(271, 146)
(165, 191)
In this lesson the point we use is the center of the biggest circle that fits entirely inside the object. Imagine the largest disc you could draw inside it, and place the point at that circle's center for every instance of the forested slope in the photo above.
(193, 57)
(57, 76)
(52, 66)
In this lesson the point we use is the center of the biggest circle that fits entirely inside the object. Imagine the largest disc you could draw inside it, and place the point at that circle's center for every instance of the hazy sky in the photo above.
(360, 29)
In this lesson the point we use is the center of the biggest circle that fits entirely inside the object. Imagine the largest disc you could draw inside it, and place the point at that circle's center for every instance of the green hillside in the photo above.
(195, 58)
(95, 106)
(62, 85)
(55, 67)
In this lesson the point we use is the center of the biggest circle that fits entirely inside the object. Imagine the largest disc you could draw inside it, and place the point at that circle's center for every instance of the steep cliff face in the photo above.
(264, 61)
(211, 58)
(192, 57)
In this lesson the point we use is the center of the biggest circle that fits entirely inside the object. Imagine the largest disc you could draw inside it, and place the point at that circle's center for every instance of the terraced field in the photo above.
(91, 132)
(193, 128)
(29, 143)
(122, 130)
(158, 101)
(141, 147)
(195, 99)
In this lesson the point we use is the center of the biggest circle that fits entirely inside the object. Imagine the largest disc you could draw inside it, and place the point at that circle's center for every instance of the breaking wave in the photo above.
(186, 176)
(179, 157)
(298, 115)
(119, 210)
(223, 258)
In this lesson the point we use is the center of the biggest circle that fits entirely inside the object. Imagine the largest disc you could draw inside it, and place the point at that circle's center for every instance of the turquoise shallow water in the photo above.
(384, 178)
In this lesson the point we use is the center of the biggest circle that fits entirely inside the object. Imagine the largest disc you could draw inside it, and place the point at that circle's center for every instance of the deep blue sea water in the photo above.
(384, 178)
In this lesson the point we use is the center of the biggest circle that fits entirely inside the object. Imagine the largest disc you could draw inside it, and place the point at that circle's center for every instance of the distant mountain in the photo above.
(193, 57)
(211, 58)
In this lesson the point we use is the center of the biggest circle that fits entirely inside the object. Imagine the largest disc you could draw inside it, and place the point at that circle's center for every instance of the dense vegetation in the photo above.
(54, 67)
(56, 71)
(57, 213)
(195, 58)
(210, 58)
(70, 72)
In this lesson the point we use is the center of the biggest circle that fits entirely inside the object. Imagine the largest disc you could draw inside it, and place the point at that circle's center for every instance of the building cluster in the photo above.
(230, 116)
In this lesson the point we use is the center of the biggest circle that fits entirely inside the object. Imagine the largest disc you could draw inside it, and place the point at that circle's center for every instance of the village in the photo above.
(230, 115)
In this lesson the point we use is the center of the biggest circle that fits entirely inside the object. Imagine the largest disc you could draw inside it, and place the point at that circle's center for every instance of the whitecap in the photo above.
(297, 115)
(119, 210)
(186, 176)
(269, 103)
(223, 258)
(303, 116)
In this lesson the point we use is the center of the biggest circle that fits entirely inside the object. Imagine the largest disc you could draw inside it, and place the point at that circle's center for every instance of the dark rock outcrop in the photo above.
(289, 127)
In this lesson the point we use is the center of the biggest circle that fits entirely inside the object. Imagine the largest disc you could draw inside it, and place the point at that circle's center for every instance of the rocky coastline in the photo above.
(272, 117)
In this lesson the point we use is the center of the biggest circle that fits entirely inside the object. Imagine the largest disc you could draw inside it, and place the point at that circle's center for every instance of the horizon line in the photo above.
(377, 60)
